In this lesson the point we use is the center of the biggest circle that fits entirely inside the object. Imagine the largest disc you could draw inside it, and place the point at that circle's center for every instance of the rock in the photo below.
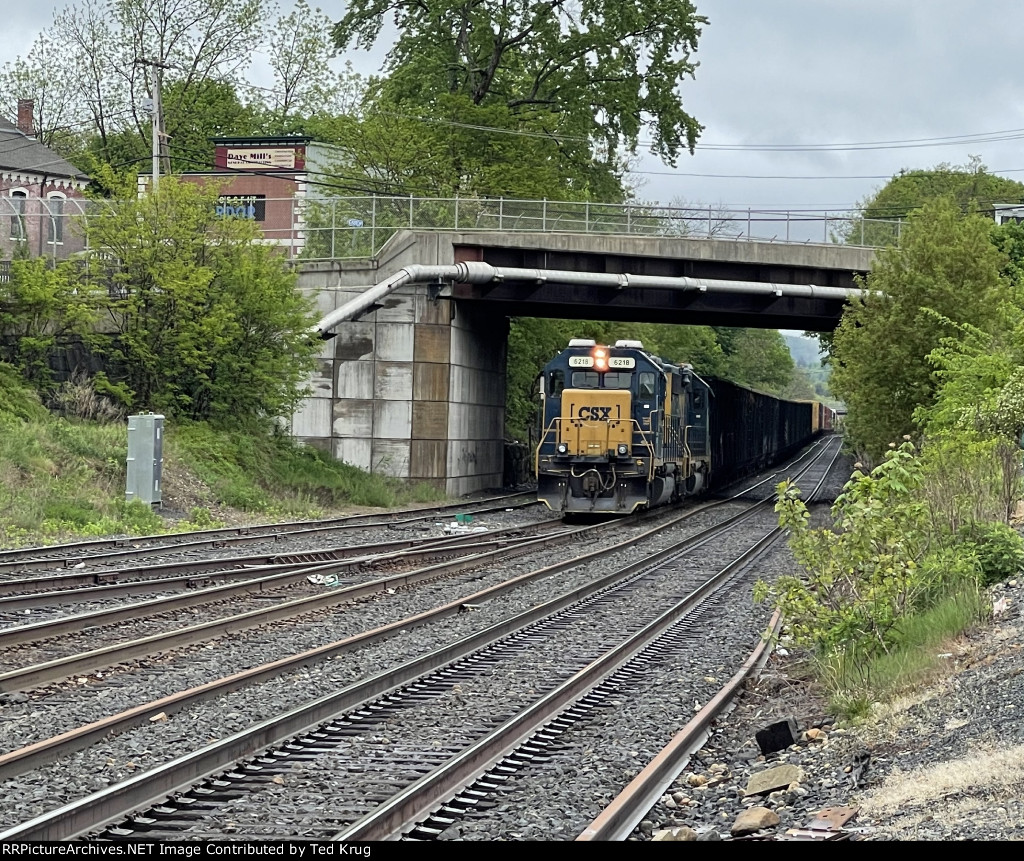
(754, 819)
(779, 777)
(681, 834)
(777, 736)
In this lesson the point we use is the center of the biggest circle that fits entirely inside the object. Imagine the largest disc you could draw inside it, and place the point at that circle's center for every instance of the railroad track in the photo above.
(110, 550)
(49, 650)
(355, 700)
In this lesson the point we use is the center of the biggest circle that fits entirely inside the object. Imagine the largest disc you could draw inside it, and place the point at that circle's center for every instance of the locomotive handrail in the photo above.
(555, 426)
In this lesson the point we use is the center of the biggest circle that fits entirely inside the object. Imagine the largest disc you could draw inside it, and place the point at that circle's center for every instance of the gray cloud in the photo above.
(811, 72)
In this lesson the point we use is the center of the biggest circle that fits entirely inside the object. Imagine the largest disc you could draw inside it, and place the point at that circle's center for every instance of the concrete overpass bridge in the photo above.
(411, 380)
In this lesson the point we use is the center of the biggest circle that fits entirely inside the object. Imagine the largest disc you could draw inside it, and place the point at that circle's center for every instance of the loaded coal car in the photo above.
(622, 430)
(750, 430)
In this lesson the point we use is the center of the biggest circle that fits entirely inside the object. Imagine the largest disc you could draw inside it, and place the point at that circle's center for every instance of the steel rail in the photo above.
(24, 759)
(619, 819)
(110, 583)
(57, 669)
(61, 668)
(87, 814)
(116, 802)
(417, 801)
(25, 558)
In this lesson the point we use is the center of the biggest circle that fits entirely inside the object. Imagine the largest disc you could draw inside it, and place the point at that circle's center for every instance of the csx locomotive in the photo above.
(623, 430)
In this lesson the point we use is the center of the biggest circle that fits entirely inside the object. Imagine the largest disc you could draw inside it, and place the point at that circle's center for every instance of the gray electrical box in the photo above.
(145, 458)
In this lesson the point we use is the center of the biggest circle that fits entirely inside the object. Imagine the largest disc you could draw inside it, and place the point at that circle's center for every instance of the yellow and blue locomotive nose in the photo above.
(595, 422)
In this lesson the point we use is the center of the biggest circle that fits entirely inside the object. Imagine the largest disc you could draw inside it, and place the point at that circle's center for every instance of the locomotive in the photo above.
(622, 430)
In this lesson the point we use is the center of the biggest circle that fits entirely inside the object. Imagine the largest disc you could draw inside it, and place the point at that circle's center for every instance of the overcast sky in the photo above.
(857, 88)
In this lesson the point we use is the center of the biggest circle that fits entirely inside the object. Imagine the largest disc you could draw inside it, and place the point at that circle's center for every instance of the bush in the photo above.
(78, 398)
(999, 548)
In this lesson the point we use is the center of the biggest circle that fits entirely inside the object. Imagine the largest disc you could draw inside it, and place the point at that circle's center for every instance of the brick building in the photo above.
(39, 191)
(272, 180)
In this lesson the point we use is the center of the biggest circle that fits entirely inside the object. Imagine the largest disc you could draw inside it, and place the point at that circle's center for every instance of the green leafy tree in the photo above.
(974, 426)
(558, 88)
(208, 320)
(758, 358)
(299, 52)
(971, 186)
(43, 308)
(945, 271)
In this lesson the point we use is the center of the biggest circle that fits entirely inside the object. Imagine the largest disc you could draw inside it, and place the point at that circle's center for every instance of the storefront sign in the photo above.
(261, 158)
(252, 206)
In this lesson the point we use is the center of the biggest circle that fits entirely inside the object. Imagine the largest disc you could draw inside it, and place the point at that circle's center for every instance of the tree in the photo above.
(568, 87)
(41, 308)
(304, 86)
(758, 358)
(57, 111)
(208, 322)
(971, 186)
(945, 271)
(973, 428)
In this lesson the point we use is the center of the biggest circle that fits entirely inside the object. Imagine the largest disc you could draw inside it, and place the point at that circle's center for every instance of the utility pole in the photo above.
(156, 126)
(159, 151)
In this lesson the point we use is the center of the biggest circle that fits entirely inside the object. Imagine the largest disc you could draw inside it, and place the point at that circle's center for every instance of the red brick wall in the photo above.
(280, 193)
(36, 222)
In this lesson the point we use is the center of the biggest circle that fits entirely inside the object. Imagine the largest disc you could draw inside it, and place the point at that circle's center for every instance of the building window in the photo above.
(55, 219)
(18, 202)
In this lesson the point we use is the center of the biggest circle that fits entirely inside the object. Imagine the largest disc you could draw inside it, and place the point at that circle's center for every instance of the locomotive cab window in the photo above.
(556, 382)
(617, 379)
(585, 379)
(647, 385)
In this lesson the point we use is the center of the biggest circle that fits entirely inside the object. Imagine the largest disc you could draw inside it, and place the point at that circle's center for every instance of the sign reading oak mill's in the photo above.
(261, 158)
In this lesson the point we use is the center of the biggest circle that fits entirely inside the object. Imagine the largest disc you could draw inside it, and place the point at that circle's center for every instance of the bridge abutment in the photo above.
(414, 390)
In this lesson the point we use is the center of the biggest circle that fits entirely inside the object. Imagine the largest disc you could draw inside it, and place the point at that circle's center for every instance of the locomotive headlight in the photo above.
(623, 449)
(562, 448)
(600, 359)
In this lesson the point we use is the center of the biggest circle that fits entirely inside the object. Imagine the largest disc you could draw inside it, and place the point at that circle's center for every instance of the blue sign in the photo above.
(253, 206)
(355, 222)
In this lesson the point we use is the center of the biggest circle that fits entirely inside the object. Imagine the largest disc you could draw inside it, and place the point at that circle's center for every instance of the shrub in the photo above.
(78, 398)
(999, 549)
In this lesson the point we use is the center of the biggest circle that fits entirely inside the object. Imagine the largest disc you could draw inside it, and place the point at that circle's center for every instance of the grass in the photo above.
(855, 685)
(63, 477)
(293, 479)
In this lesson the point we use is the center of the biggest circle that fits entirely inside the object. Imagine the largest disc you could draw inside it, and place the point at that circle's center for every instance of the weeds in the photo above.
(63, 476)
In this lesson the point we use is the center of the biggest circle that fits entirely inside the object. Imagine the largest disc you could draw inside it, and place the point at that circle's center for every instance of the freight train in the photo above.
(622, 430)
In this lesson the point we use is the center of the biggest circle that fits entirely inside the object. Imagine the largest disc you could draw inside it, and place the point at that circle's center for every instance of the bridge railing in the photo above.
(359, 226)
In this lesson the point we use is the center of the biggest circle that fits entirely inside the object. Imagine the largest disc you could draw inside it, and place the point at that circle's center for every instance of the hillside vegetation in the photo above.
(63, 476)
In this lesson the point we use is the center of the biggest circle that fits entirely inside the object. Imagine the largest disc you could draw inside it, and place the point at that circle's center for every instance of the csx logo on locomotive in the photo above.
(597, 414)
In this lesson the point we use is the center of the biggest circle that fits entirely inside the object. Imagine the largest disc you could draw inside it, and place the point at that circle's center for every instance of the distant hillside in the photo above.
(804, 351)
(807, 358)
